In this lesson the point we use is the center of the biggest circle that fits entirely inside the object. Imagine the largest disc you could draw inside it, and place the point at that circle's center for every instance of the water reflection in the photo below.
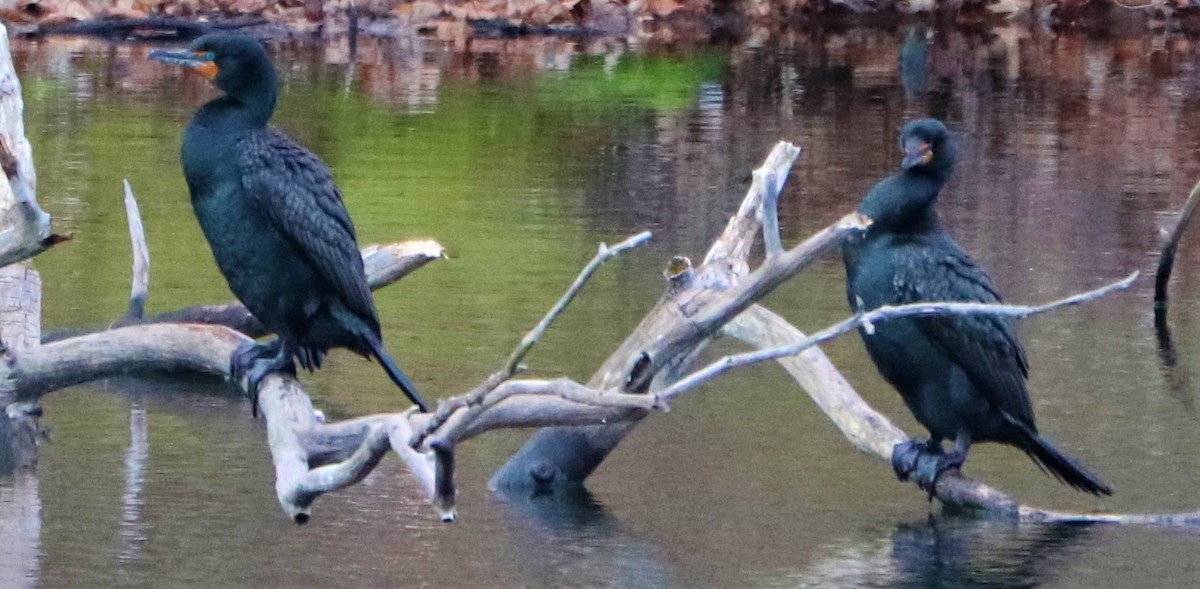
(912, 60)
(953, 552)
(132, 530)
(520, 156)
(945, 552)
(589, 547)
(20, 529)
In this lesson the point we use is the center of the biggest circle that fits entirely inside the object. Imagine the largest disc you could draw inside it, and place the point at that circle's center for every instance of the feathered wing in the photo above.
(296, 194)
(984, 346)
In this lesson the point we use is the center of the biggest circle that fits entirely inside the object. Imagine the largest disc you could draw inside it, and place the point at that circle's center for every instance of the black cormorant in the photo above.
(274, 220)
(963, 376)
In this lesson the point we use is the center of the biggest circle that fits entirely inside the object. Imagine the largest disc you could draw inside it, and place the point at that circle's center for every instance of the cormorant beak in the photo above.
(204, 62)
(916, 153)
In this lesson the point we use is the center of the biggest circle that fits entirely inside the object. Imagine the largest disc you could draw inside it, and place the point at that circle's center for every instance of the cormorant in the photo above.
(274, 220)
(963, 376)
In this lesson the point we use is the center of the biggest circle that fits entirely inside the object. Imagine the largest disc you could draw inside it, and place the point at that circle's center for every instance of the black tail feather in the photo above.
(1059, 465)
(394, 373)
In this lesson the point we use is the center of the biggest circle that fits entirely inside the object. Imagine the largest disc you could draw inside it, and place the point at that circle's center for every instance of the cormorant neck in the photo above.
(249, 99)
(251, 111)
(903, 203)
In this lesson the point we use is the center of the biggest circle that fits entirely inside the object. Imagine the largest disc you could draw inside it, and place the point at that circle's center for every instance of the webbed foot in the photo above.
(253, 361)
(907, 456)
(923, 462)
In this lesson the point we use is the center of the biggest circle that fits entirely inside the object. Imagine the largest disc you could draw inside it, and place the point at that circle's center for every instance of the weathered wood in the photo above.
(384, 265)
(24, 232)
(144, 349)
(568, 455)
(20, 306)
(140, 283)
(1166, 260)
(24, 226)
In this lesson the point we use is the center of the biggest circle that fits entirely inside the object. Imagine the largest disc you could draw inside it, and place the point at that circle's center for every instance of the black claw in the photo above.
(904, 458)
(930, 469)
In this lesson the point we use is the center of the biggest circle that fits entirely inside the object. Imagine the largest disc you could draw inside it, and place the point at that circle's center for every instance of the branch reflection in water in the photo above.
(568, 538)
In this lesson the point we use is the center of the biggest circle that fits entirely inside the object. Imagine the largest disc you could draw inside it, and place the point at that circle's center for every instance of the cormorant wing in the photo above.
(296, 194)
(983, 346)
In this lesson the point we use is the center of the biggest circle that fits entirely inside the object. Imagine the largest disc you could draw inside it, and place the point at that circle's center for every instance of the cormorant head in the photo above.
(904, 201)
(927, 147)
(237, 64)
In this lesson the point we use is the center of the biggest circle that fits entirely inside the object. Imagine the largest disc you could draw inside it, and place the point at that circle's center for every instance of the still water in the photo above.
(520, 157)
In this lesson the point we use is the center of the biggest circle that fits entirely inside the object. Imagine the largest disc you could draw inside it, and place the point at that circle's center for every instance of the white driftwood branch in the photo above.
(1166, 260)
(738, 237)
(140, 282)
(867, 321)
(603, 255)
(25, 230)
(384, 265)
(697, 302)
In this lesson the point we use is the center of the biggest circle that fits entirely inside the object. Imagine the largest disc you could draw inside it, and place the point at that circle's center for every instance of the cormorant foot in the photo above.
(246, 354)
(259, 371)
(907, 456)
(904, 458)
(253, 361)
(931, 468)
(923, 462)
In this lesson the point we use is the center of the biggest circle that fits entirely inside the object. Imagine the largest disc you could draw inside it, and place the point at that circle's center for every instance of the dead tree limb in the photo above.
(1166, 260)
(867, 320)
(140, 286)
(24, 226)
(384, 264)
(24, 233)
(696, 304)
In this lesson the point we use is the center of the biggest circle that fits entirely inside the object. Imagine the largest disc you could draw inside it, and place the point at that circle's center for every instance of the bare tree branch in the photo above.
(738, 237)
(1166, 260)
(606, 253)
(384, 265)
(141, 258)
(24, 226)
(866, 321)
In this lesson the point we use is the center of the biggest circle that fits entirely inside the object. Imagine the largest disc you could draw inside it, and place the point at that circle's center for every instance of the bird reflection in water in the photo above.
(913, 73)
(952, 551)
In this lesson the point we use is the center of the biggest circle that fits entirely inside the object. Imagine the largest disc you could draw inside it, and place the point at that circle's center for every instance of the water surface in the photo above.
(520, 157)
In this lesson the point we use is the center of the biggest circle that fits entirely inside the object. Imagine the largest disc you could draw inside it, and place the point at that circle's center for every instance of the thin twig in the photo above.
(450, 407)
(604, 254)
(867, 320)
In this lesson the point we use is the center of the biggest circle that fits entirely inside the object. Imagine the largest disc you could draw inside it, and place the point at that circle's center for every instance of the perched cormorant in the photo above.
(274, 220)
(963, 376)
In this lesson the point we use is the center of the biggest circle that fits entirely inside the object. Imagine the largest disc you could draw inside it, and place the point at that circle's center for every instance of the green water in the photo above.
(520, 157)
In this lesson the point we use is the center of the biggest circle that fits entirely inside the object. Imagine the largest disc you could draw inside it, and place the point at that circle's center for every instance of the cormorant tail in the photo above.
(394, 373)
(1052, 460)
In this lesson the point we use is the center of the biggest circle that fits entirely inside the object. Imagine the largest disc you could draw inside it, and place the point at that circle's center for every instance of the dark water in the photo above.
(520, 157)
